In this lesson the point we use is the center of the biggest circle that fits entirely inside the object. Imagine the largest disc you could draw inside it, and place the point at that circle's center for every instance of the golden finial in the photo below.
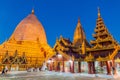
(78, 19)
(60, 36)
(57, 39)
(98, 12)
(33, 11)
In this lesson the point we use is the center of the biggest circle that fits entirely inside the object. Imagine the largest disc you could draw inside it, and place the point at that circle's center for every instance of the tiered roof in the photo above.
(103, 39)
(104, 47)
(75, 49)
(66, 48)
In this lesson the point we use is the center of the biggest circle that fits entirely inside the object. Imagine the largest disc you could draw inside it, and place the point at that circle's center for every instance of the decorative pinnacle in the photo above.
(98, 12)
(78, 19)
(33, 11)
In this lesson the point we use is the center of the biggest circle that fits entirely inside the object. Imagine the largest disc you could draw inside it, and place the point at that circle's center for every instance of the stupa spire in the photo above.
(79, 34)
(98, 12)
(79, 37)
(102, 36)
(32, 11)
(78, 19)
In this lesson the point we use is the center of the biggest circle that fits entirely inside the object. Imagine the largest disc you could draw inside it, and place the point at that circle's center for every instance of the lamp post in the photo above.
(59, 56)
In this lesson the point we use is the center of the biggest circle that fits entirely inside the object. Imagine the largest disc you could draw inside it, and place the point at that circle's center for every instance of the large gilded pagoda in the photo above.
(101, 54)
(27, 47)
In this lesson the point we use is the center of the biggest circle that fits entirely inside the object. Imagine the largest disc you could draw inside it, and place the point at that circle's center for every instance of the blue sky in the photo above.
(59, 17)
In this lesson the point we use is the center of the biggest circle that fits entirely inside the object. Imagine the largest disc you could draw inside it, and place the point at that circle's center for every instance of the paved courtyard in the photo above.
(22, 75)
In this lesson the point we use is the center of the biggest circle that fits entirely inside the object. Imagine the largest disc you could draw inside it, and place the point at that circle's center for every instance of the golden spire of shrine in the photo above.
(98, 12)
(32, 11)
(78, 19)
(79, 34)
(102, 36)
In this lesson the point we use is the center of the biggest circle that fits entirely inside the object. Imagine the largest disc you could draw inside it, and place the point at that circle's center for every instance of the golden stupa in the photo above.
(27, 47)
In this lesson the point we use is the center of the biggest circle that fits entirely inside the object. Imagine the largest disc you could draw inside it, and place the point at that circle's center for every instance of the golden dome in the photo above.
(28, 39)
(30, 29)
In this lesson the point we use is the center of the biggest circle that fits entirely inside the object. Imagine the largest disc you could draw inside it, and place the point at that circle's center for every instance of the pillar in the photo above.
(108, 68)
(56, 66)
(51, 66)
(79, 67)
(101, 64)
(63, 66)
(89, 67)
(93, 67)
(72, 66)
(114, 67)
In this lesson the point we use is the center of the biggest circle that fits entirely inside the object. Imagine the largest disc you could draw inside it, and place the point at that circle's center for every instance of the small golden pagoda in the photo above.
(27, 47)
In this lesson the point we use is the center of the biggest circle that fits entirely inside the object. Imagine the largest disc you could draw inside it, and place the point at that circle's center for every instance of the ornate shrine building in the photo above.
(101, 55)
(27, 47)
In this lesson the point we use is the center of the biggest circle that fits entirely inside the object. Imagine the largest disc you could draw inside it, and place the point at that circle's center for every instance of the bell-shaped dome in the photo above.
(30, 29)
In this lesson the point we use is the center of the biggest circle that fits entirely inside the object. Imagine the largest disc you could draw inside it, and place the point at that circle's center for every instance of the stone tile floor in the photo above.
(23, 75)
